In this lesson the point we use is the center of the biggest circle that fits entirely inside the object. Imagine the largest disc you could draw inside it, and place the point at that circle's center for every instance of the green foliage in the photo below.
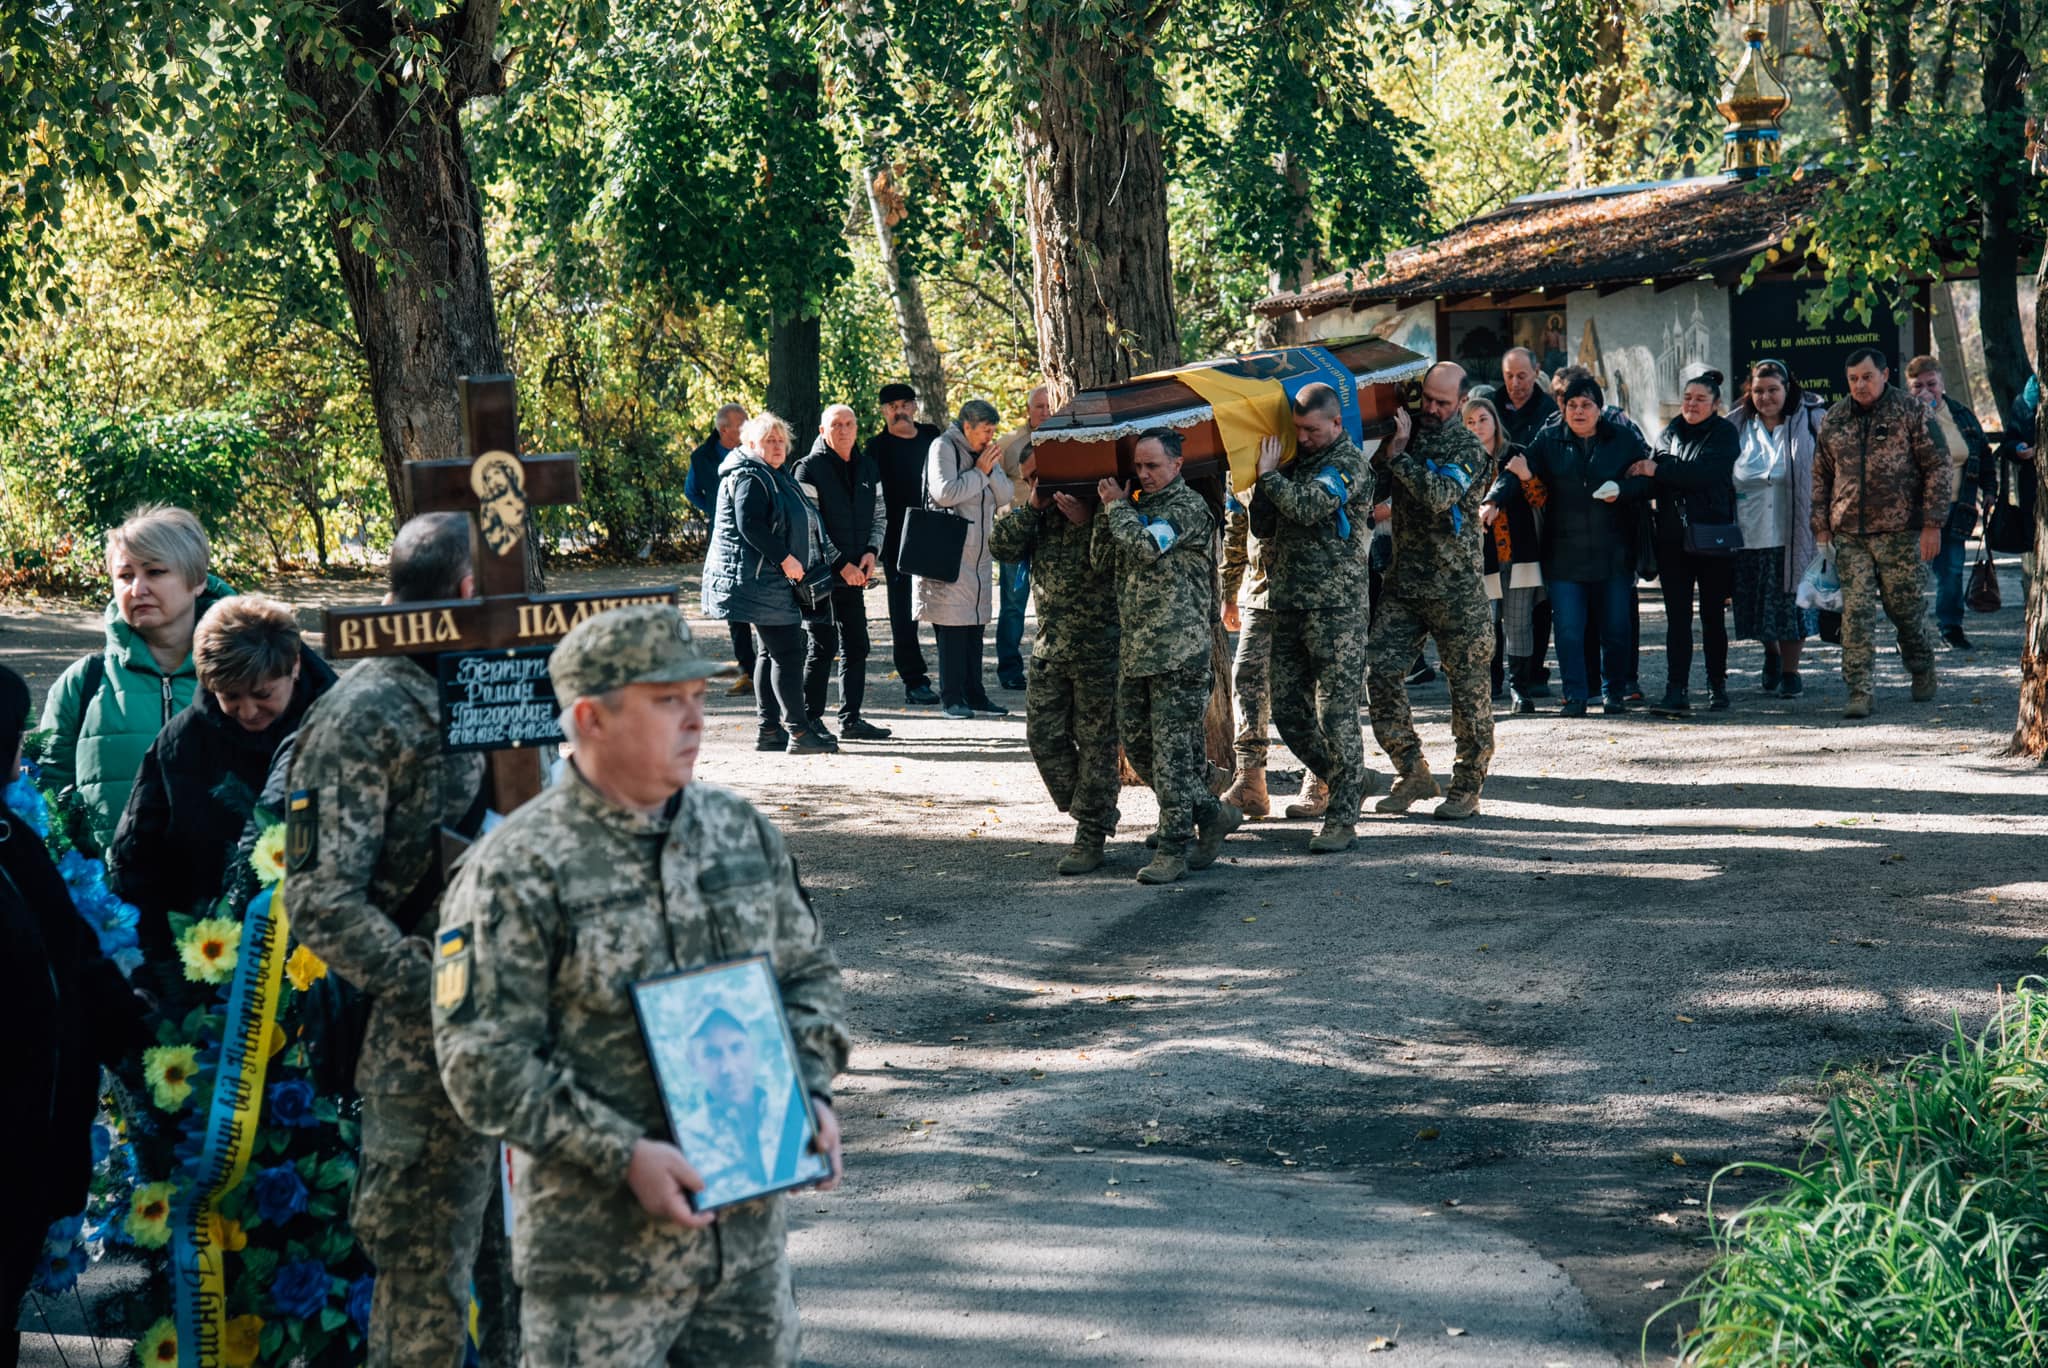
(724, 183)
(1920, 1232)
(198, 460)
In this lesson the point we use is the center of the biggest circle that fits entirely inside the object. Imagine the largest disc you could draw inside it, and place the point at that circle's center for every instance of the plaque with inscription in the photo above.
(497, 700)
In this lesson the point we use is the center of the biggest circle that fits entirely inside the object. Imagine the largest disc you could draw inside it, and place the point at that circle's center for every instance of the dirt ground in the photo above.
(1549, 1026)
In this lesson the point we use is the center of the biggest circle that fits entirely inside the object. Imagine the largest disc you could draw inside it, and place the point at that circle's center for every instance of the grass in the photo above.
(1915, 1230)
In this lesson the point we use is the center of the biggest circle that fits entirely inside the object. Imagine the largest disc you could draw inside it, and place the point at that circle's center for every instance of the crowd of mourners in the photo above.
(1512, 525)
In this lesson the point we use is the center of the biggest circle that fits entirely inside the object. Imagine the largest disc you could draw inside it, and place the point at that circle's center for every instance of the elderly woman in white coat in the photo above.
(964, 473)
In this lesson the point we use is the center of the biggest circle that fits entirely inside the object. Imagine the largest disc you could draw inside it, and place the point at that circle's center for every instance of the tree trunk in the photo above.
(1095, 205)
(2004, 163)
(2030, 734)
(793, 381)
(421, 299)
(906, 298)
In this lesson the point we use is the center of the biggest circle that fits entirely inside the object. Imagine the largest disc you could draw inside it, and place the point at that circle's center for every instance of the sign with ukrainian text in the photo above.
(470, 624)
(498, 700)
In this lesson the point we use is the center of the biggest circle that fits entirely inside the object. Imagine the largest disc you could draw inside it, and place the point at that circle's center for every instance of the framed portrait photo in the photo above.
(726, 1066)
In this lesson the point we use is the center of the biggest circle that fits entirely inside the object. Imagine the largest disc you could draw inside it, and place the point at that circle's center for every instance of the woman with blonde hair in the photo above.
(105, 709)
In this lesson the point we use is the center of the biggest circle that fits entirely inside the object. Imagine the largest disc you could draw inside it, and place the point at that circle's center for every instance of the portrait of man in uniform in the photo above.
(728, 1079)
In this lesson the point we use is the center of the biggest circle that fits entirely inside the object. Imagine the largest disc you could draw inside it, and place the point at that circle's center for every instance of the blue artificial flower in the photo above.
(25, 801)
(279, 1192)
(65, 1232)
(55, 1273)
(102, 1144)
(291, 1103)
(300, 1289)
(359, 1294)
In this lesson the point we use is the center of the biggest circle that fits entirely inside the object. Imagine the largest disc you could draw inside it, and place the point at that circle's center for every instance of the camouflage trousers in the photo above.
(745, 1321)
(419, 1210)
(1882, 567)
(1070, 724)
(1251, 679)
(1160, 719)
(1463, 628)
(1318, 673)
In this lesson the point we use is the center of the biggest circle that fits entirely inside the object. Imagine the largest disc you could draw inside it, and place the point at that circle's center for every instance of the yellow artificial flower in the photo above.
(268, 857)
(244, 1337)
(276, 1039)
(158, 1347)
(228, 1235)
(210, 949)
(149, 1222)
(304, 968)
(168, 1070)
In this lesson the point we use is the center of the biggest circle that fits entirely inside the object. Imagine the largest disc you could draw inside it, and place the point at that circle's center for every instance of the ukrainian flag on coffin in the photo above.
(1250, 396)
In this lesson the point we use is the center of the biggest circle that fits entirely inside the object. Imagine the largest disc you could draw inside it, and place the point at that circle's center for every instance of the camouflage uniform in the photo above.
(1315, 513)
(1878, 478)
(1070, 692)
(550, 920)
(1434, 588)
(369, 789)
(1245, 583)
(1161, 548)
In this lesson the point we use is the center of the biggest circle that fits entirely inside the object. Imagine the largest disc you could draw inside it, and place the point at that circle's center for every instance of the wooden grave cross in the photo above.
(499, 489)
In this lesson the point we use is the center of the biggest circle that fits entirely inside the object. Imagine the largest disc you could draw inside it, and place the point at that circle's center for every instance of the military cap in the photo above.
(642, 643)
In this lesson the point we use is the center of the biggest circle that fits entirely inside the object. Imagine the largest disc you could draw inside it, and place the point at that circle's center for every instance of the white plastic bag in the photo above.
(1821, 587)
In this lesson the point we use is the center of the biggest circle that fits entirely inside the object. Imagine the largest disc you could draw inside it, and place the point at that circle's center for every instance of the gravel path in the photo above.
(1471, 1077)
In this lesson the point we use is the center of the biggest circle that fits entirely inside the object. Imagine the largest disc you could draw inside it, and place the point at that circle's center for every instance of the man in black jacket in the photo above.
(842, 479)
(66, 1011)
(898, 452)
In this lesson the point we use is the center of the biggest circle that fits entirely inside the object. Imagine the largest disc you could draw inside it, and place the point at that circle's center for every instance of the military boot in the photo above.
(1248, 794)
(1168, 866)
(1858, 706)
(1410, 789)
(1460, 804)
(1924, 686)
(1209, 835)
(1084, 855)
(1334, 836)
(1315, 800)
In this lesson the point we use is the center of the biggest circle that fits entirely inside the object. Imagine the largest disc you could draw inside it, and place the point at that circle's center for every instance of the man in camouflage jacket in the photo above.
(621, 871)
(369, 789)
(1436, 471)
(1160, 545)
(1881, 491)
(1070, 692)
(1316, 513)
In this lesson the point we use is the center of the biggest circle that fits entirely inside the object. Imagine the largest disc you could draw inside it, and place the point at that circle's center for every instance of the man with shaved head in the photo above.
(1315, 515)
(1437, 474)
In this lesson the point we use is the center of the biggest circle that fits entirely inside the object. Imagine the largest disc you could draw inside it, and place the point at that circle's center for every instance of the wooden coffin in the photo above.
(1092, 436)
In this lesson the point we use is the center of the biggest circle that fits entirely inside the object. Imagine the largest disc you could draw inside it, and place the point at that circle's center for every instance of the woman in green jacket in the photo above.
(105, 709)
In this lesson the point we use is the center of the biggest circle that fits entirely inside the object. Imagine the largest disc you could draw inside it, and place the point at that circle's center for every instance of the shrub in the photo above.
(1918, 1234)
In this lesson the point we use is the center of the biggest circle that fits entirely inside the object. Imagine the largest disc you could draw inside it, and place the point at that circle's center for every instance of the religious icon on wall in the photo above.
(500, 484)
(726, 1067)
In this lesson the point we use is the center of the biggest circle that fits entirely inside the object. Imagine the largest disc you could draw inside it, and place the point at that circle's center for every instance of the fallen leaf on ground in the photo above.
(1666, 1218)
(1084, 1149)
(1428, 1133)
(1249, 920)
(1678, 1158)
(1380, 1344)
(1442, 883)
(1686, 1019)
(1656, 1285)
(1093, 1335)
(1453, 1331)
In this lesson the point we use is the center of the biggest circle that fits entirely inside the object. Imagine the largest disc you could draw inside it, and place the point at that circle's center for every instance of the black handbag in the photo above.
(1713, 539)
(932, 544)
(1982, 594)
(2010, 528)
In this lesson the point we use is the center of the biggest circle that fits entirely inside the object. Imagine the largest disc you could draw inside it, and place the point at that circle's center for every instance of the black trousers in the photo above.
(1679, 572)
(743, 649)
(960, 665)
(903, 630)
(779, 677)
(845, 635)
(1539, 623)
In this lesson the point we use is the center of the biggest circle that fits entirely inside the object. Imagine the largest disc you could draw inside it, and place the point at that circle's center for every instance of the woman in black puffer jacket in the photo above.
(1692, 476)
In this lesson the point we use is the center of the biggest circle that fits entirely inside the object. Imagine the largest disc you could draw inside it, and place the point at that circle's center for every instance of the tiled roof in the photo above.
(1615, 235)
